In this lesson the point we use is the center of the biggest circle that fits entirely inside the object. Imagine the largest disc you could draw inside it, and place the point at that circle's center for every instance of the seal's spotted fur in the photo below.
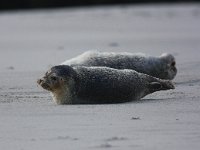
(163, 67)
(97, 85)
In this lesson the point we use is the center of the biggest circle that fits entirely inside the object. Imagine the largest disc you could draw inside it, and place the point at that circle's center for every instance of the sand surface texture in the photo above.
(33, 41)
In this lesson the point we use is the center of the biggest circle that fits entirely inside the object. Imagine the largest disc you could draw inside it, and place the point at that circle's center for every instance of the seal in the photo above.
(99, 85)
(163, 67)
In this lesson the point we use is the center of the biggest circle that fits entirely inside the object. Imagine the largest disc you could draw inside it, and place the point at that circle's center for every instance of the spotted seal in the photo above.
(98, 85)
(163, 67)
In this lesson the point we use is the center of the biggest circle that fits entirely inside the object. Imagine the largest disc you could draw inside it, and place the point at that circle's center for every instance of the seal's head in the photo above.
(59, 81)
(51, 80)
(169, 66)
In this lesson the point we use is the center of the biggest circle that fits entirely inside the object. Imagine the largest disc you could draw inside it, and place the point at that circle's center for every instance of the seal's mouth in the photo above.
(174, 69)
(44, 85)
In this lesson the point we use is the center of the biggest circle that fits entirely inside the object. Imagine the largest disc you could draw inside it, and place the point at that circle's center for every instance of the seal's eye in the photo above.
(53, 78)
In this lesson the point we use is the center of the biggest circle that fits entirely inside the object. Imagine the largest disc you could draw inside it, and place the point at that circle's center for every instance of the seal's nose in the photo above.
(39, 81)
(173, 64)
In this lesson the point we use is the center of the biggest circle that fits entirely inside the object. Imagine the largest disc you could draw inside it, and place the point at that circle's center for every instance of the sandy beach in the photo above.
(33, 41)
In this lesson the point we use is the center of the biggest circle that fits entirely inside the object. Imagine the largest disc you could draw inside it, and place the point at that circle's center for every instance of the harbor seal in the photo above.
(99, 85)
(163, 67)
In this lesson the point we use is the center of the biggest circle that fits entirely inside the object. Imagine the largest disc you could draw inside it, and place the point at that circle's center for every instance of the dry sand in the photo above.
(32, 41)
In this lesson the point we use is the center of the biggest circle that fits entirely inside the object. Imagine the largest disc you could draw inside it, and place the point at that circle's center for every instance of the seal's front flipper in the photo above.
(162, 85)
(155, 86)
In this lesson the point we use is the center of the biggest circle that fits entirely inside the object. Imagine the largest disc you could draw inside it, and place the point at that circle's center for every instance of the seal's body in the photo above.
(162, 67)
(98, 85)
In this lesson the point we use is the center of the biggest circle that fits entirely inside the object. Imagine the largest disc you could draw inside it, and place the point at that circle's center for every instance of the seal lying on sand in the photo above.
(98, 85)
(163, 67)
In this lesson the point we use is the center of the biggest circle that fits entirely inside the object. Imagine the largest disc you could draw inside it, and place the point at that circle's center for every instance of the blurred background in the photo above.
(26, 4)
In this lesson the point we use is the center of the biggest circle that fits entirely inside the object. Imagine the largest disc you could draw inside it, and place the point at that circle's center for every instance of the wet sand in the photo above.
(32, 41)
